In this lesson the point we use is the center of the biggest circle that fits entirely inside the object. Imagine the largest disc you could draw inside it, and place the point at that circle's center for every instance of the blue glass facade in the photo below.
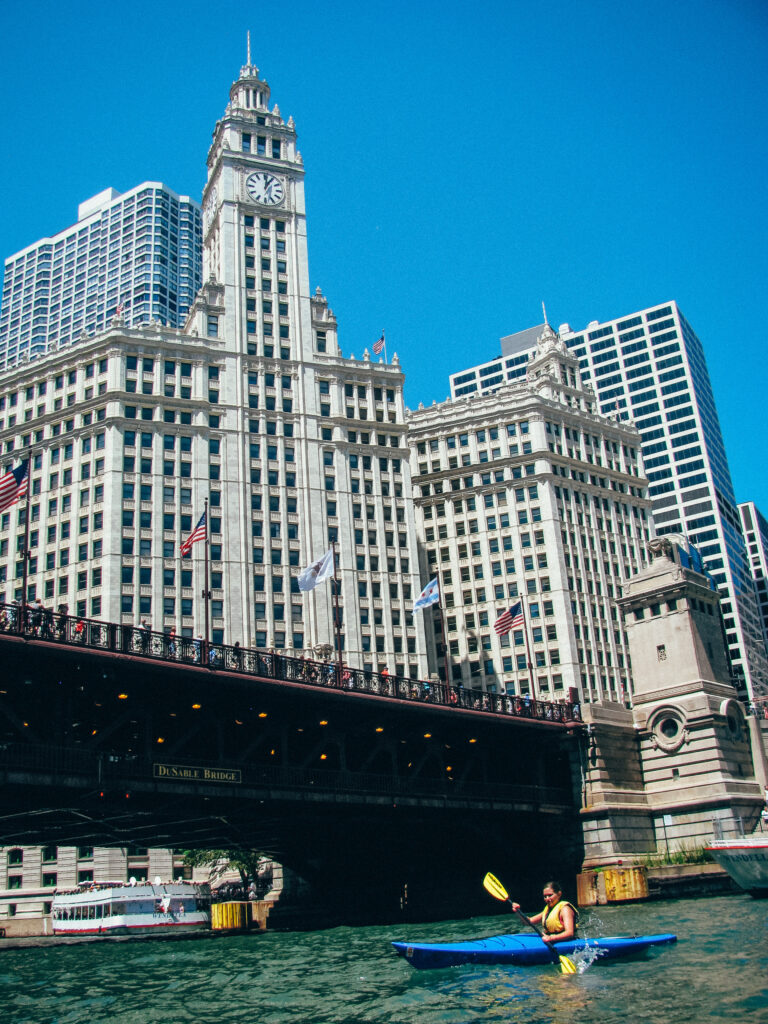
(139, 253)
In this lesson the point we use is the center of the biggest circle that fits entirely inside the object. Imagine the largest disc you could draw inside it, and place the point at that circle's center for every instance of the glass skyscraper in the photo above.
(649, 367)
(756, 536)
(138, 253)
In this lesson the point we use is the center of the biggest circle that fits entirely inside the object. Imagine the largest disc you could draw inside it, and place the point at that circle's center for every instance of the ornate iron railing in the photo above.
(36, 622)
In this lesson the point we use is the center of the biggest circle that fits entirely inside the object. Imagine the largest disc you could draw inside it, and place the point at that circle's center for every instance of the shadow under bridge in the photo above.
(384, 806)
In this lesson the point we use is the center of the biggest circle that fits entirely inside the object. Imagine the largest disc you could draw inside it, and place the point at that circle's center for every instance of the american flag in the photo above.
(200, 532)
(378, 345)
(509, 619)
(13, 485)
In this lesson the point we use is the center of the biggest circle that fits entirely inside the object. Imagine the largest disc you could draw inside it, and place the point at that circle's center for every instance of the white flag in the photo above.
(317, 572)
(429, 595)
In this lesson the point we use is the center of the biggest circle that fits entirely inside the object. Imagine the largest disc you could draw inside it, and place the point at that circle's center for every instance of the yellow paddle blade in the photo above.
(568, 966)
(492, 885)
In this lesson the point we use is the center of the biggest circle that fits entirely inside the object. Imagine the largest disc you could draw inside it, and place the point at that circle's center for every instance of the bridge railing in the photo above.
(118, 638)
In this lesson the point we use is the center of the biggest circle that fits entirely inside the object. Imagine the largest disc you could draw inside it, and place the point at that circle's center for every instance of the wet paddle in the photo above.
(492, 885)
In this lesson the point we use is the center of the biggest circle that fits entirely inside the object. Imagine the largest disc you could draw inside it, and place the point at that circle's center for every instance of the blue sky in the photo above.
(465, 162)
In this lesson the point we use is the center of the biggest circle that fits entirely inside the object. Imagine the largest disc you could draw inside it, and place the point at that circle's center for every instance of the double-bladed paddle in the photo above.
(492, 885)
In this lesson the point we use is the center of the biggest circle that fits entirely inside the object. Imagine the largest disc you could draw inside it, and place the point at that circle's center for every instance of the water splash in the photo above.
(586, 957)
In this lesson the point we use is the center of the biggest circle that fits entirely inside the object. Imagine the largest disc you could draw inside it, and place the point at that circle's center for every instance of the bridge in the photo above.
(112, 735)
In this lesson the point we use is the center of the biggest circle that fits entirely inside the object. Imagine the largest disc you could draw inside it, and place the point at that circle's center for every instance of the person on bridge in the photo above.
(559, 919)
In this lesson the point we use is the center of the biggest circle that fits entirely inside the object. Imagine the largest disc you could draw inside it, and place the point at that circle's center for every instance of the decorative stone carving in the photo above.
(669, 729)
(660, 547)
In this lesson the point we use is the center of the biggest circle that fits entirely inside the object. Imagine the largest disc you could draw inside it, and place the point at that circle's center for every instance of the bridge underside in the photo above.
(385, 808)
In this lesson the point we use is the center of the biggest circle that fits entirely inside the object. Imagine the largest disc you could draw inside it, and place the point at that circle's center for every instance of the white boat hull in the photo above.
(135, 926)
(141, 909)
(745, 860)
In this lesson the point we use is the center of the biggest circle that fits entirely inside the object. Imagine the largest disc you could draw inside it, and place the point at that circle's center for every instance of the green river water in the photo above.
(717, 971)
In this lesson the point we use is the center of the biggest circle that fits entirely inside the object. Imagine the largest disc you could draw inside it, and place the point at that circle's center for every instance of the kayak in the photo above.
(521, 950)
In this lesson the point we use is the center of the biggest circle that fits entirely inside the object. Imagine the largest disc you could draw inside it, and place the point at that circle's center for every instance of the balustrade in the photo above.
(119, 638)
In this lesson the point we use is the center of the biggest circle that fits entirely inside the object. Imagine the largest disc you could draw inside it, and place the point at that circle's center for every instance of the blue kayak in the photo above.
(520, 950)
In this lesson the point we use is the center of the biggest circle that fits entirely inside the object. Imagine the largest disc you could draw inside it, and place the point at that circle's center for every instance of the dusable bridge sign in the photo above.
(190, 773)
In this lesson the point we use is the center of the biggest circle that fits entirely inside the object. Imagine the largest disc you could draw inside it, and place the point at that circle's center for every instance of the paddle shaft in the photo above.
(539, 932)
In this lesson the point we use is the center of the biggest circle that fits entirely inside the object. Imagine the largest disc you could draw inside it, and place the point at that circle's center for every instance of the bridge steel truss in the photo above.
(116, 748)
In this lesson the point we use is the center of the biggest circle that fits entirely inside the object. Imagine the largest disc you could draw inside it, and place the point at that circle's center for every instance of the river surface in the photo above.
(717, 971)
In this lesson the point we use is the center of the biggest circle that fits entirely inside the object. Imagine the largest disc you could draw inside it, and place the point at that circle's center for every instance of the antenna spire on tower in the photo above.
(249, 49)
(544, 311)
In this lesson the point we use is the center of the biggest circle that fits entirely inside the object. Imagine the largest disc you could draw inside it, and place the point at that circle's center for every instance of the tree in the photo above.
(245, 861)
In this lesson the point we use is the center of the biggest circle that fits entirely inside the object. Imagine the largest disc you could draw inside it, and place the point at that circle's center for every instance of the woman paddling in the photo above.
(559, 918)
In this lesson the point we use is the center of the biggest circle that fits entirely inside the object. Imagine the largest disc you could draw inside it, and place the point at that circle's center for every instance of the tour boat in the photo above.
(521, 950)
(132, 908)
(746, 861)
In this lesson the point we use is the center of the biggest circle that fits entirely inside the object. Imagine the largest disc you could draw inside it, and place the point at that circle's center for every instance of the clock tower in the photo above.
(254, 224)
(311, 445)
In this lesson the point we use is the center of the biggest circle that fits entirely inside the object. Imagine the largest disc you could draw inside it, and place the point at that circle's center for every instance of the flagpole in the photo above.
(444, 633)
(25, 554)
(386, 360)
(206, 592)
(528, 649)
(337, 624)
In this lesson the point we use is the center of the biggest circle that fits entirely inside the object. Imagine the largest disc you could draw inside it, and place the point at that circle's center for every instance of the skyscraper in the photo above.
(649, 367)
(755, 529)
(527, 494)
(251, 406)
(138, 252)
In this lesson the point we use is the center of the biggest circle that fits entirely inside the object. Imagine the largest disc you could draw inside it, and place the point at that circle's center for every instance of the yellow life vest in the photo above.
(551, 918)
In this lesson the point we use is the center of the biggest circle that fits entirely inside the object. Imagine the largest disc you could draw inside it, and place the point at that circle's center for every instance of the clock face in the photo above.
(265, 188)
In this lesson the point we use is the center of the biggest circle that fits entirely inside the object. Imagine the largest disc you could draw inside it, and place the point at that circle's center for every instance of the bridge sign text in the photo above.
(189, 773)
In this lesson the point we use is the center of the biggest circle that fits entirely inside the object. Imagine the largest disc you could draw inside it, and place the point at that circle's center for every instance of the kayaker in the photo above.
(559, 918)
